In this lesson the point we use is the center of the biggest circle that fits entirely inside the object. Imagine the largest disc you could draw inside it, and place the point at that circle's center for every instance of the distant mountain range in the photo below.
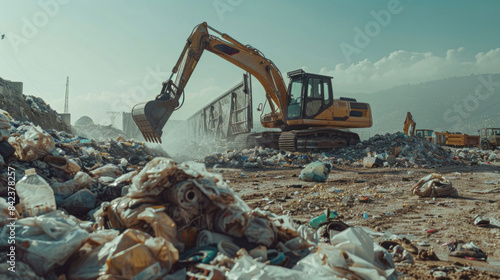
(462, 104)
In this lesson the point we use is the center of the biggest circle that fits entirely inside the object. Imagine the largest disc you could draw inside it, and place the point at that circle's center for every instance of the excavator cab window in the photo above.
(319, 95)
(308, 95)
(294, 99)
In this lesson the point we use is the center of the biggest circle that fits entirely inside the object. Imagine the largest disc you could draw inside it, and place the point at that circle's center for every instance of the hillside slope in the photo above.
(462, 104)
(28, 108)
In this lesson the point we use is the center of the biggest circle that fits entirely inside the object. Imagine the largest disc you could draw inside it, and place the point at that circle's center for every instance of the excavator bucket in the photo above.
(152, 116)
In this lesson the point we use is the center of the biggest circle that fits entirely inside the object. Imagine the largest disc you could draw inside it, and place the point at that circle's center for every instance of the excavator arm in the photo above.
(152, 116)
(409, 124)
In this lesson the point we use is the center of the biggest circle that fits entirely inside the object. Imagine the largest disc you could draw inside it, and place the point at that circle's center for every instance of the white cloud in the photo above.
(403, 67)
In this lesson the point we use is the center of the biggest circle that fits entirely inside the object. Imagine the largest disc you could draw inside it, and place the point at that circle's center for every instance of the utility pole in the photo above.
(66, 97)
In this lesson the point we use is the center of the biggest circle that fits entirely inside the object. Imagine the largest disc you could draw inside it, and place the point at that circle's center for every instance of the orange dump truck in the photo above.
(456, 139)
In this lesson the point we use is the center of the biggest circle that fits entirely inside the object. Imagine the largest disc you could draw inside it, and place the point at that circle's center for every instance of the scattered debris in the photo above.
(315, 172)
(466, 250)
(481, 221)
(434, 185)
(372, 162)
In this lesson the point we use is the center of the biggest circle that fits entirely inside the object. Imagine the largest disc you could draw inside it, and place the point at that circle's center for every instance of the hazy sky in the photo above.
(117, 53)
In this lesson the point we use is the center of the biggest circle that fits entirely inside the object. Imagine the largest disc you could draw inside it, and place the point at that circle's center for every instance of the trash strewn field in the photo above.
(390, 207)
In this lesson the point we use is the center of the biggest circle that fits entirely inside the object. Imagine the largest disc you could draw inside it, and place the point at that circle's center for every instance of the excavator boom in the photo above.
(152, 116)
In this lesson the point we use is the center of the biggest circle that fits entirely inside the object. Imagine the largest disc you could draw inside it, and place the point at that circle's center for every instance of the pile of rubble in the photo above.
(389, 150)
(28, 108)
(95, 131)
(476, 155)
(396, 150)
(69, 163)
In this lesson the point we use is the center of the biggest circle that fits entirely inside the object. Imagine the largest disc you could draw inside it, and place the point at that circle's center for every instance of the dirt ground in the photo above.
(391, 208)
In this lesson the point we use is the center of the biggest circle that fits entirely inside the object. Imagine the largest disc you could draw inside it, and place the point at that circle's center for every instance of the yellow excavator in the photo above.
(307, 114)
(409, 125)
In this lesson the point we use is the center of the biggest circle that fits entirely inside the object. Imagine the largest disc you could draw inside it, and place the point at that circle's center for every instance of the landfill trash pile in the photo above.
(389, 150)
(396, 150)
(259, 157)
(81, 171)
(29, 108)
(100, 206)
(181, 219)
(477, 155)
(38, 105)
(97, 131)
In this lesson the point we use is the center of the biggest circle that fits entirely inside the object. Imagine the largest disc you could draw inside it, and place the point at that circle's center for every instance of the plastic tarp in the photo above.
(352, 255)
(434, 185)
(126, 256)
(4, 125)
(315, 172)
(53, 232)
(34, 144)
(109, 170)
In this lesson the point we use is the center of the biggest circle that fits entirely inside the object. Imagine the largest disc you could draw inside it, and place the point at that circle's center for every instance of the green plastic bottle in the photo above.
(315, 222)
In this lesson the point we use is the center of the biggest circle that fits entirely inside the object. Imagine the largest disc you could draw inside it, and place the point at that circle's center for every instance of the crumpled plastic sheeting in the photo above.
(367, 255)
(122, 213)
(310, 235)
(124, 257)
(109, 170)
(247, 268)
(90, 263)
(265, 227)
(4, 120)
(154, 177)
(4, 125)
(284, 223)
(47, 240)
(23, 271)
(352, 255)
(315, 172)
(162, 173)
(232, 222)
(162, 224)
(34, 144)
(70, 187)
(5, 213)
(125, 178)
(261, 231)
(434, 185)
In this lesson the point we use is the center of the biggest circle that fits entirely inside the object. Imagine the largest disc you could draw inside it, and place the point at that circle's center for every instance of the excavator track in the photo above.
(240, 141)
(288, 141)
(316, 140)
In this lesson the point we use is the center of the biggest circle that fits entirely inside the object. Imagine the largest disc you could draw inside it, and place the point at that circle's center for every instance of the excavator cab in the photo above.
(308, 94)
(152, 116)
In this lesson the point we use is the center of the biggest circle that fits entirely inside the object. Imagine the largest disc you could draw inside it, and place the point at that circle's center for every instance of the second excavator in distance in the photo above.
(309, 117)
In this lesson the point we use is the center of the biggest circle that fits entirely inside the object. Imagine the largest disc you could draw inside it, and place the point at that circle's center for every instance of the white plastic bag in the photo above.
(34, 144)
(315, 172)
(47, 240)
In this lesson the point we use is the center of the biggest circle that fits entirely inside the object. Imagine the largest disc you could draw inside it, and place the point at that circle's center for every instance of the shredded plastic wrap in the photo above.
(34, 144)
